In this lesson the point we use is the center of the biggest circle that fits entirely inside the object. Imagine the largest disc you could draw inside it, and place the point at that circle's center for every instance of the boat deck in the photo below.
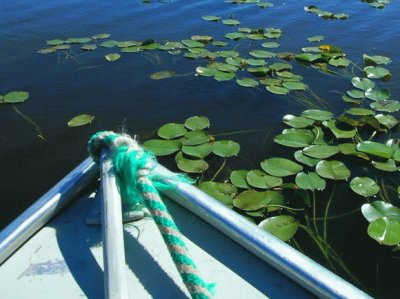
(65, 260)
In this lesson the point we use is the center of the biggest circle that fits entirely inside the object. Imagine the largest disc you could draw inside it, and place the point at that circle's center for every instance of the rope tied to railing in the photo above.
(137, 185)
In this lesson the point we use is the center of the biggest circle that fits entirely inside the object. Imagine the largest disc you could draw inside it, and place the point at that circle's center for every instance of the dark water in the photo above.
(121, 94)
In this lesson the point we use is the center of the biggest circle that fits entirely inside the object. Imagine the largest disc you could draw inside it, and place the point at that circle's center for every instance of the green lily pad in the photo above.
(219, 43)
(332, 125)
(320, 151)
(101, 36)
(294, 85)
(223, 76)
(280, 66)
(386, 106)
(199, 151)
(376, 149)
(348, 99)
(228, 54)
(308, 57)
(78, 40)
(238, 178)
(297, 121)
(80, 120)
(377, 94)
(362, 83)
(385, 231)
(251, 200)
(360, 111)
(112, 56)
(259, 179)
(211, 18)
(256, 62)
(379, 209)
(132, 49)
(294, 140)
(223, 67)
(339, 62)
(376, 59)
(356, 94)
(262, 54)
(54, 42)
(247, 82)
(280, 167)
(89, 47)
(260, 70)
(316, 38)
(270, 45)
(377, 72)
(197, 123)
(319, 115)
(223, 192)
(205, 71)
(62, 47)
(279, 90)
(14, 97)
(236, 61)
(310, 181)
(226, 148)
(335, 170)
(47, 50)
(171, 131)
(284, 227)
(350, 149)
(389, 165)
(235, 35)
(231, 22)
(195, 137)
(162, 75)
(192, 43)
(364, 186)
(192, 166)
(162, 147)
(300, 157)
(389, 121)
(109, 44)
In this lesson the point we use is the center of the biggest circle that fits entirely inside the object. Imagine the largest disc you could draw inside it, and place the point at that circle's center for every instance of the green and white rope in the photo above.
(137, 185)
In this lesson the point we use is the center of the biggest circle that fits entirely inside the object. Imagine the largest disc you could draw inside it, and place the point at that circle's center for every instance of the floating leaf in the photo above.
(360, 111)
(223, 76)
(223, 192)
(339, 62)
(192, 166)
(247, 82)
(279, 66)
(89, 47)
(320, 151)
(197, 123)
(132, 49)
(261, 180)
(376, 72)
(277, 89)
(364, 186)
(297, 121)
(162, 75)
(389, 121)
(195, 137)
(234, 35)
(377, 94)
(14, 97)
(386, 106)
(350, 149)
(262, 54)
(389, 165)
(380, 209)
(219, 44)
(211, 18)
(192, 43)
(80, 120)
(280, 167)
(171, 131)
(256, 62)
(294, 85)
(283, 227)
(300, 157)
(47, 50)
(206, 72)
(294, 139)
(335, 170)
(376, 149)
(162, 147)
(356, 94)
(238, 178)
(251, 200)
(332, 125)
(54, 42)
(310, 181)
(316, 38)
(308, 57)
(226, 148)
(101, 36)
(112, 56)
(385, 230)
(376, 59)
(362, 83)
(231, 22)
(270, 45)
(319, 115)
(199, 151)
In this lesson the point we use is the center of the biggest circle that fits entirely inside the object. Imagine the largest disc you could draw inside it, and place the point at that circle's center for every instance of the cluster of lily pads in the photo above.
(377, 3)
(325, 14)
(259, 3)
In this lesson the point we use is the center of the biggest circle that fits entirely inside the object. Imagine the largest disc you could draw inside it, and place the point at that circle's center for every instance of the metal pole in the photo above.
(38, 214)
(115, 286)
(309, 274)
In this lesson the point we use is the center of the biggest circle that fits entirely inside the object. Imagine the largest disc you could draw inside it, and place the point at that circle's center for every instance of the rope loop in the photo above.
(137, 185)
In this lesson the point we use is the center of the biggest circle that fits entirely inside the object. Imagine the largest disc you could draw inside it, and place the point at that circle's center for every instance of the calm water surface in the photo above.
(121, 94)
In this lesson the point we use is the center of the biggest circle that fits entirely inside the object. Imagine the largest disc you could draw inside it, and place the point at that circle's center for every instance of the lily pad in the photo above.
(283, 227)
(379, 209)
(377, 94)
(162, 75)
(294, 140)
(297, 121)
(226, 148)
(320, 151)
(356, 94)
(109, 44)
(223, 192)
(101, 36)
(377, 72)
(308, 57)
(112, 56)
(386, 106)
(211, 18)
(316, 38)
(262, 54)
(310, 181)
(339, 133)
(294, 85)
(197, 123)
(89, 47)
(231, 22)
(192, 43)
(247, 82)
(261, 180)
(14, 97)
(223, 76)
(171, 131)
(192, 166)
(339, 62)
(389, 121)
(270, 45)
(199, 151)
(238, 178)
(251, 200)
(300, 157)
(279, 90)
(362, 83)
(335, 170)
(385, 230)
(205, 71)
(376, 59)
(319, 115)
(195, 137)
(280, 167)
(376, 149)
(280, 66)
(162, 147)
(360, 111)
(389, 165)
(364, 186)
(235, 35)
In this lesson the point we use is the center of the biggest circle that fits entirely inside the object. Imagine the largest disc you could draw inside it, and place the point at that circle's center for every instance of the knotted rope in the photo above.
(137, 185)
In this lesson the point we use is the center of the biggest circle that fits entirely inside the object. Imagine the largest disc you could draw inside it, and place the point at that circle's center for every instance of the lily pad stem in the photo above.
(219, 170)
(29, 120)
(326, 214)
